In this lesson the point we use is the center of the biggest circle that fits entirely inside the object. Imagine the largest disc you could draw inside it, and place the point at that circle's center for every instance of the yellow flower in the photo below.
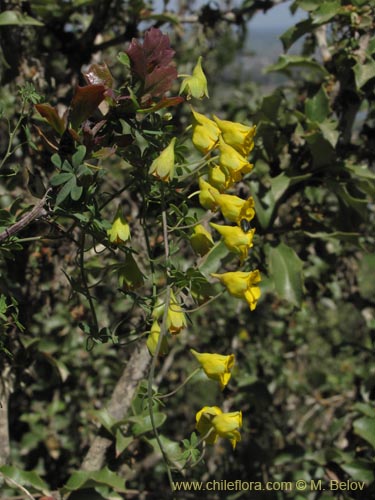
(205, 133)
(129, 274)
(153, 338)
(227, 425)
(206, 195)
(230, 159)
(239, 136)
(235, 239)
(176, 319)
(216, 366)
(234, 208)
(221, 424)
(201, 240)
(163, 166)
(220, 179)
(242, 285)
(120, 230)
(196, 84)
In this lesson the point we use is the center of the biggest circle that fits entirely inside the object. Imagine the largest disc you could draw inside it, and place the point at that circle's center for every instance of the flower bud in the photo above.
(120, 230)
(163, 166)
(196, 84)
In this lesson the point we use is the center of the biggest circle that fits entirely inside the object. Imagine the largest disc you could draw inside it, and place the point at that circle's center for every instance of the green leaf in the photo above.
(104, 419)
(264, 208)
(326, 11)
(212, 260)
(365, 428)
(65, 191)
(282, 182)
(143, 423)
(79, 480)
(271, 104)
(336, 235)
(366, 275)
(364, 73)
(295, 32)
(122, 442)
(358, 204)
(76, 192)
(25, 478)
(58, 365)
(329, 132)
(15, 18)
(317, 107)
(123, 58)
(79, 156)
(365, 408)
(321, 149)
(359, 470)
(286, 62)
(286, 271)
(59, 179)
(308, 5)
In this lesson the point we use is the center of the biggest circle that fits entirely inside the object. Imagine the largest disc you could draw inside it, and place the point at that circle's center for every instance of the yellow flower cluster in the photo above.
(234, 142)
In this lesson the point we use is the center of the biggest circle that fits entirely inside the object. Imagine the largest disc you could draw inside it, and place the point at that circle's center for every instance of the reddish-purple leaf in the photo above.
(98, 74)
(160, 81)
(51, 115)
(85, 101)
(152, 63)
(167, 102)
(157, 49)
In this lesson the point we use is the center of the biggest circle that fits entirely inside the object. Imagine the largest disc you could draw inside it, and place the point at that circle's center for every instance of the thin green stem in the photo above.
(197, 370)
(12, 135)
(163, 330)
(85, 284)
(114, 195)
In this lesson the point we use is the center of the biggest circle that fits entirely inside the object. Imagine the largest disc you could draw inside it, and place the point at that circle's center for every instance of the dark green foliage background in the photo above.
(305, 373)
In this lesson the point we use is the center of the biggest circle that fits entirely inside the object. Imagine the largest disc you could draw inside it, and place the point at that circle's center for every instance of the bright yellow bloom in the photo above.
(129, 274)
(230, 159)
(176, 319)
(242, 285)
(235, 239)
(163, 166)
(153, 338)
(221, 424)
(206, 195)
(219, 178)
(234, 208)
(120, 230)
(196, 84)
(239, 136)
(216, 366)
(201, 240)
(205, 133)
(227, 425)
